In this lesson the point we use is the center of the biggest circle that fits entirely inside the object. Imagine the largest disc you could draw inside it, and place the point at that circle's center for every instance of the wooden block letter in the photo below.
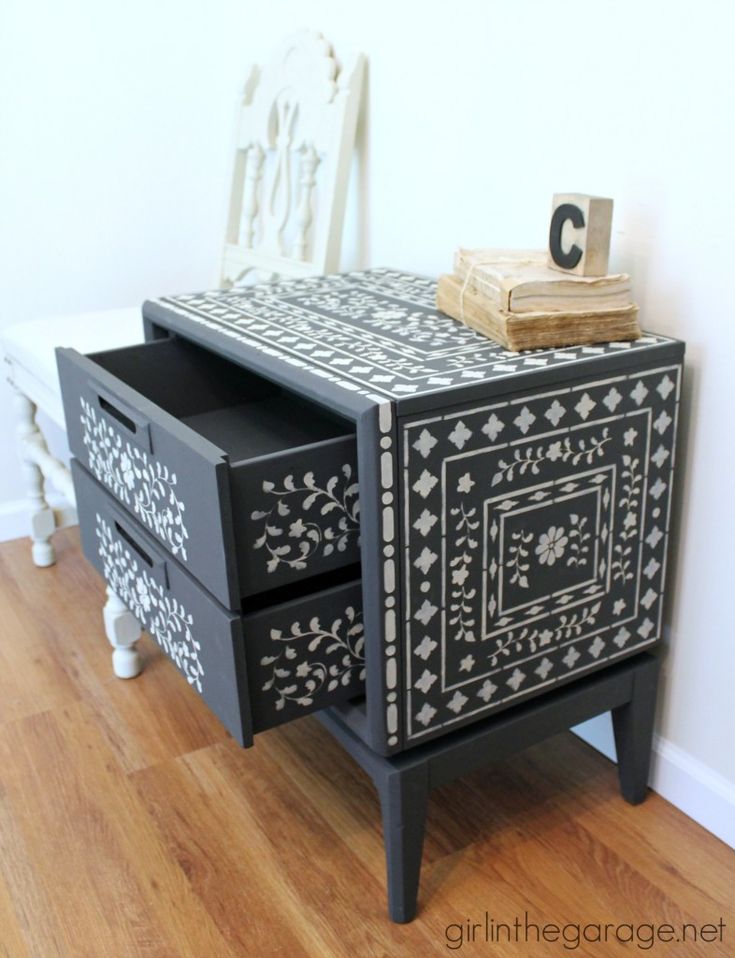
(579, 235)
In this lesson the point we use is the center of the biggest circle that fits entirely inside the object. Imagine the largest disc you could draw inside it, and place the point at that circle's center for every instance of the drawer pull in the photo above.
(155, 562)
(130, 420)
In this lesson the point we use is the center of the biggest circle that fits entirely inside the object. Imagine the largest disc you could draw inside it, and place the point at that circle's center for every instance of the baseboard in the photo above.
(690, 785)
(14, 522)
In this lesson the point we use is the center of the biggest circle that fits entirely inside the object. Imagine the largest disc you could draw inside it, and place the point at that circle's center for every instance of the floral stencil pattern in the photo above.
(551, 545)
(162, 614)
(144, 484)
(307, 519)
(296, 678)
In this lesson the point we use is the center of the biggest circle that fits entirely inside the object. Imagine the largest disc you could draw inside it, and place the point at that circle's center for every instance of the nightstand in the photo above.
(323, 492)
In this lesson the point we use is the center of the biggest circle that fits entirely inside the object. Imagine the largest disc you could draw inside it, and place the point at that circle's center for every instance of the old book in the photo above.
(516, 331)
(519, 281)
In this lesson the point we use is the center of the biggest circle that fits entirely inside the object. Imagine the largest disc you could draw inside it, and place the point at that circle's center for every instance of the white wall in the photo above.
(114, 139)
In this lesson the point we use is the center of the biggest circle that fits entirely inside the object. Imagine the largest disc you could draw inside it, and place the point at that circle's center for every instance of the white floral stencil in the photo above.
(307, 519)
(536, 545)
(133, 478)
(162, 614)
(335, 657)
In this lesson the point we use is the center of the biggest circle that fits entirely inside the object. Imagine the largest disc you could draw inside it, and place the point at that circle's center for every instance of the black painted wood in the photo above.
(256, 670)
(200, 637)
(249, 487)
(633, 729)
(404, 781)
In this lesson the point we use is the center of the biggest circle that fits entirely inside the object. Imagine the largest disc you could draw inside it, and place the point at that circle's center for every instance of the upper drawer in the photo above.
(255, 670)
(248, 486)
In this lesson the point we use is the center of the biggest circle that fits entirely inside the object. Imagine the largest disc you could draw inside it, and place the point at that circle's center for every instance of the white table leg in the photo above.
(43, 522)
(123, 631)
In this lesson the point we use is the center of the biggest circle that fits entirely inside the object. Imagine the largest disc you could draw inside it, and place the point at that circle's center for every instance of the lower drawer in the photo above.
(255, 670)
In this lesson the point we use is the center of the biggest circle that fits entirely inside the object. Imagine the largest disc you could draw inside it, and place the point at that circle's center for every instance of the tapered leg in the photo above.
(403, 798)
(43, 522)
(123, 631)
(633, 728)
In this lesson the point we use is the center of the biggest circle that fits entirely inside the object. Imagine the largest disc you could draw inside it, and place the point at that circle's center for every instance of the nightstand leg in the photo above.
(633, 728)
(404, 797)
(123, 631)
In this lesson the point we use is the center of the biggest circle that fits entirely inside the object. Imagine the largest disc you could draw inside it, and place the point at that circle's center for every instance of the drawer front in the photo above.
(240, 527)
(297, 514)
(202, 639)
(173, 481)
(305, 654)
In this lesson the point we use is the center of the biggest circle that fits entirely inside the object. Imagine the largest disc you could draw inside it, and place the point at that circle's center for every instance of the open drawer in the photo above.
(254, 670)
(246, 485)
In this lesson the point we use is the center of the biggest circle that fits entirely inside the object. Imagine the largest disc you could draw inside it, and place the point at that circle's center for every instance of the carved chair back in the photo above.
(295, 136)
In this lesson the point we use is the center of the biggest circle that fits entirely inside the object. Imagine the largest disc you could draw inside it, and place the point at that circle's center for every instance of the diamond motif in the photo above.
(652, 568)
(426, 714)
(596, 648)
(426, 680)
(425, 443)
(612, 399)
(525, 419)
(426, 612)
(543, 668)
(426, 560)
(639, 393)
(571, 657)
(654, 537)
(662, 423)
(516, 679)
(658, 489)
(459, 435)
(425, 483)
(644, 630)
(486, 690)
(493, 427)
(425, 648)
(649, 598)
(665, 387)
(585, 406)
(660, 456)
(621, 637)
(555, 412)
(457, 702)
(425, 522)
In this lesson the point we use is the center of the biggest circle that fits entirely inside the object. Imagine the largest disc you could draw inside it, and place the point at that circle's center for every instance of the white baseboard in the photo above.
(687, 783)
(14, 522)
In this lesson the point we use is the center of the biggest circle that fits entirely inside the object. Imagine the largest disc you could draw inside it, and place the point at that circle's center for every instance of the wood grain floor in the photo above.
(132, 825)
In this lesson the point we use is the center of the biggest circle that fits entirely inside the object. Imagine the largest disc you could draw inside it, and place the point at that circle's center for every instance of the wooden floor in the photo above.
(130, 824)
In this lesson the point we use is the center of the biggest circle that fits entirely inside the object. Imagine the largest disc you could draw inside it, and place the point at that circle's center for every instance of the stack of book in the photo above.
(513, 297)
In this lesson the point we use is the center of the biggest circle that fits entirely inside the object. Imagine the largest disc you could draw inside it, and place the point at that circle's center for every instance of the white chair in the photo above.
(294, 144)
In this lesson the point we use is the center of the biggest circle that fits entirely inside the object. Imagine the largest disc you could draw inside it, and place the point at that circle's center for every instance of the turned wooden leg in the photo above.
(43, 522)
(404, 796)
(123, 631)
(633, 729)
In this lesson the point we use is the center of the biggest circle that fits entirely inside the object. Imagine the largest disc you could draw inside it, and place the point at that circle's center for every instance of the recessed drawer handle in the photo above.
(131, 421)
(155, 561)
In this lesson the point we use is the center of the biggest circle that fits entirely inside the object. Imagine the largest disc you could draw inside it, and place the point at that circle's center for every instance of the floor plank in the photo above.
(132, 825)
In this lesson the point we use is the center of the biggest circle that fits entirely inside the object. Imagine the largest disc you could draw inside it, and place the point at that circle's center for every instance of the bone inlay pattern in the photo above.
(376, 332)
(535, 534)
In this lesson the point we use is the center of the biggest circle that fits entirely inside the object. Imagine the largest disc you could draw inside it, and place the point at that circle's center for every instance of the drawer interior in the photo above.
(241, 413)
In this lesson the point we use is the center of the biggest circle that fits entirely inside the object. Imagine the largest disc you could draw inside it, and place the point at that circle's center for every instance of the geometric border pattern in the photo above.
(481, 483)
(374, 332)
